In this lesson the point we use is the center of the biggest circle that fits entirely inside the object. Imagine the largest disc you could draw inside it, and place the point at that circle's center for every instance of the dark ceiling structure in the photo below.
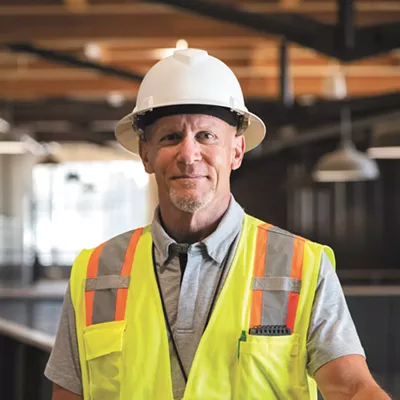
(345, 41)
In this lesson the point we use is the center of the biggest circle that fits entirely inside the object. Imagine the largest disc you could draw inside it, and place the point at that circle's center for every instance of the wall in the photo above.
(360, 220)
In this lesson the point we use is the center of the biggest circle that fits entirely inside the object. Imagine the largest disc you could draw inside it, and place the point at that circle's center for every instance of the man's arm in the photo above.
(59, 393)
(348, 378)
(63, 367)
(336, 359)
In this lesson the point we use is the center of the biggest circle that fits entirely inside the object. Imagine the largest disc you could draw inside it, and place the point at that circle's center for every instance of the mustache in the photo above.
(189, 172)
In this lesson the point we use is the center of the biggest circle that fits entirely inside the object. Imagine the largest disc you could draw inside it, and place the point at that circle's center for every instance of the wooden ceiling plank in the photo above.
(137, 8)
(121, 27)
(88, 9)
(76, 5)
(252, 86)
(290, 4)
(146, 43)
(83, 83)
(365, 6)
(243, 68)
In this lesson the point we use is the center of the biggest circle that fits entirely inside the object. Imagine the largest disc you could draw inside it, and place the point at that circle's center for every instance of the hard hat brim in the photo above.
(129, 139)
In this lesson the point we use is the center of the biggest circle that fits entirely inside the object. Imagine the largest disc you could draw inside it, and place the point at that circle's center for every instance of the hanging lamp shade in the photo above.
(346, 164)
(48, 159)
(386, 140)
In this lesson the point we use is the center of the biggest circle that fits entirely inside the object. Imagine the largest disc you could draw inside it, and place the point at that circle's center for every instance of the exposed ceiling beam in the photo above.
(82, 112)
(139, 60)
(95, 121)
(76, 111)
(137, 8)
(269, 70)
(299, 29)
(361, 6)
(76, 5)
(296, 28)
(290, 4)
(255, 86)
(67, 59)
(320, 6)
(376, 39)
(81, 28)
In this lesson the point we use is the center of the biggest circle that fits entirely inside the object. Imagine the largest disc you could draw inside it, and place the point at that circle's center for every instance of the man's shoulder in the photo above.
(121, 238)
(260, 224)
(267, 226)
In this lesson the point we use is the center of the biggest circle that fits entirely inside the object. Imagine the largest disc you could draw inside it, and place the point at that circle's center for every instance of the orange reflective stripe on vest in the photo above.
(296, 273)
(92, 273)
(276, 278)
(259, 267)
(122, 293)
(113, 268)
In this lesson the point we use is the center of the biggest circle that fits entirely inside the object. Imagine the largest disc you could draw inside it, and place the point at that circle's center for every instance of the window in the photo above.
(81, 204)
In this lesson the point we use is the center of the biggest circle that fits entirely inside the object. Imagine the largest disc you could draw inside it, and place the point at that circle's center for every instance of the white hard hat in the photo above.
(189, 77)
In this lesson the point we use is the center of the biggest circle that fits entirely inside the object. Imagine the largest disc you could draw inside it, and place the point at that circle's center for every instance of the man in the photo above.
(208, 302)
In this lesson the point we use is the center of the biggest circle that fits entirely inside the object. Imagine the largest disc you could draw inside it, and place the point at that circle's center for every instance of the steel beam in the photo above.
(68, 59)
(343, 42)
(346, 23)
(285, 87)
(299, 29)
(375, 40)
(345, 27)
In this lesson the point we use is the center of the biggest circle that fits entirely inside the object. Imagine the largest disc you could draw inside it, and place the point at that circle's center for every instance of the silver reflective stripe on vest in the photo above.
(278, 263)
(110, 264)
(277, 284)
(107, 282)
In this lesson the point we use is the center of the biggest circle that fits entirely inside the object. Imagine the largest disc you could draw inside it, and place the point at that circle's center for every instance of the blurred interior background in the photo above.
(324, 75)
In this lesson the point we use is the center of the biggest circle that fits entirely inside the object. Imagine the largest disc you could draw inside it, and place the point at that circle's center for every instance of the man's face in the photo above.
(192, 157)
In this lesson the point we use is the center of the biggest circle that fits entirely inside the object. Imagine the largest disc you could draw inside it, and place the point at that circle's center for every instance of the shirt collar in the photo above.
(217, 244)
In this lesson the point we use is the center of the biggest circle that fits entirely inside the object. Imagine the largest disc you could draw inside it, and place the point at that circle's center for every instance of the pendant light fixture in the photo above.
(386, 140)
(346, 164)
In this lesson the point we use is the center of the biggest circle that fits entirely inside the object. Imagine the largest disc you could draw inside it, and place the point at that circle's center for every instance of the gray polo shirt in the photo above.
(332, 333)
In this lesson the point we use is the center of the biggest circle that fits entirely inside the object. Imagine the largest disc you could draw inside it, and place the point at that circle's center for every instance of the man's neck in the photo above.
(191, 228)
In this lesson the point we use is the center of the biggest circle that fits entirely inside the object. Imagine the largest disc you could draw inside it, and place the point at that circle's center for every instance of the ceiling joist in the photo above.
(137, 7)
(76, 5)
(134, 35)
(302, 30)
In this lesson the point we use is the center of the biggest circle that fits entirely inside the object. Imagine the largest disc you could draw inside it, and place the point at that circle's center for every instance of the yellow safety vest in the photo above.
(122, 334)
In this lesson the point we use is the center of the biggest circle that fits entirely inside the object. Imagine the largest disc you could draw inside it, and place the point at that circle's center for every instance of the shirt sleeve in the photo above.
(63, 367)
(332, 333)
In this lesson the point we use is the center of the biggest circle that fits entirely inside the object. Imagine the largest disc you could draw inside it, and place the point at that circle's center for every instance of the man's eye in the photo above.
(172, 137)
(205, 135)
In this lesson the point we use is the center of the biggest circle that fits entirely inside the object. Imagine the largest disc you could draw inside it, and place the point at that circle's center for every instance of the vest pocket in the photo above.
(268, 368)
(103, 349)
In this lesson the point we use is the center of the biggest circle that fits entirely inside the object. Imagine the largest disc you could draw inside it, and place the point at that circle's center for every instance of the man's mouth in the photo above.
(188, 177)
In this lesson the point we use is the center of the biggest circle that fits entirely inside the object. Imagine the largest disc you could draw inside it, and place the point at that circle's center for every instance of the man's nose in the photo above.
(188, 150)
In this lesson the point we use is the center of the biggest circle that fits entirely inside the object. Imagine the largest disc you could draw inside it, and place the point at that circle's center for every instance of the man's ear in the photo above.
(239, 146)
(144, 155)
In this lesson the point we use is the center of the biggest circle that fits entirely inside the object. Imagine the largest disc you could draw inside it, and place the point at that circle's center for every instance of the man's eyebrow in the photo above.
(168, 129)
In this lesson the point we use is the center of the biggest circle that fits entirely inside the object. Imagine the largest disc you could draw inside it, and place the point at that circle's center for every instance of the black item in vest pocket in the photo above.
(270, 330)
